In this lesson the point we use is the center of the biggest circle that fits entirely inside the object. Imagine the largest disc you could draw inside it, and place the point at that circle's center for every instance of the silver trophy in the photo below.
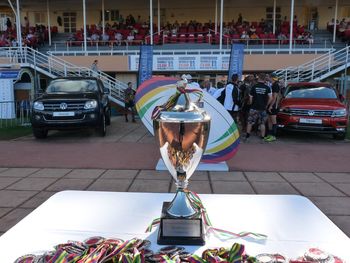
(182, 133)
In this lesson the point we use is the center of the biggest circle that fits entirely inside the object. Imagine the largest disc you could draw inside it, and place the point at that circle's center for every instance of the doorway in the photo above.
(70, 22)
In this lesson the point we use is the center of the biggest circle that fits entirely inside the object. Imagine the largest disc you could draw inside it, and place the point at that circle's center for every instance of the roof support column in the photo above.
(151, 21)
(335, 20)
(48, 21)
(84, 24)
(221, 21)
(291, 26)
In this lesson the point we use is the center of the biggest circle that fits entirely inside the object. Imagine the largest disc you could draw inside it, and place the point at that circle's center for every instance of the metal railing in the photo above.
(14, 113)
(318, 68)
(190, 52)
(53, 67)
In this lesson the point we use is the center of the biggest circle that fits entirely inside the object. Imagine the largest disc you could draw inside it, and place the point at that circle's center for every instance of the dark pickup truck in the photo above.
(73, 102)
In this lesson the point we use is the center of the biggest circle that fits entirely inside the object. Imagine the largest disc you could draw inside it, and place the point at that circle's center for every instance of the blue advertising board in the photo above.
(9, 74)
(236, 60)
(145, 63)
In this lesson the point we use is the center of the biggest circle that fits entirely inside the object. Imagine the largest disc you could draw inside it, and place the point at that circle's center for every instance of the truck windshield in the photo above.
(310, 92)
(72, 86)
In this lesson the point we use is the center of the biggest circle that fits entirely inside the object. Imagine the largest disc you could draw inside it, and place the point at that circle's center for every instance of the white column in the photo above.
(84, 25)
(221, 19)
(335, 20)
(274, 17)
(291, 26)
(151, 21)
(216, 16)
(103, 17)
(19, 29)
(158, 17)
(16, 16)
(48, 21)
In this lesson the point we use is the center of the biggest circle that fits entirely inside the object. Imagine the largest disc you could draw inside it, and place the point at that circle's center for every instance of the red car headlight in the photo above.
(339, 113)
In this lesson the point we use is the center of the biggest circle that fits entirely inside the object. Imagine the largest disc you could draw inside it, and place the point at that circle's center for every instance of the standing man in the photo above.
(94, 68)
(259, 98)
(229, 97)
(129, 100)
(272, 110)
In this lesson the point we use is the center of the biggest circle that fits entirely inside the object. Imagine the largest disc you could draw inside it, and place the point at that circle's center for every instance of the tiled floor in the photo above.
(24, 189)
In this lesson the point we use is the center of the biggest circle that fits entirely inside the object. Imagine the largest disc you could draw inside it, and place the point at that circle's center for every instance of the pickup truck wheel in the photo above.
(339, 136)
(40, 133)
(108, 118)
(102, 129)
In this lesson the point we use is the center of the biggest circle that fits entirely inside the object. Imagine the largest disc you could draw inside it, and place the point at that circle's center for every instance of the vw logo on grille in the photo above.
(311, 113)
(63, 106)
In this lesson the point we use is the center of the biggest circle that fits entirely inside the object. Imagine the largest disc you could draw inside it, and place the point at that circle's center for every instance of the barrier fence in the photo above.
(14, 113)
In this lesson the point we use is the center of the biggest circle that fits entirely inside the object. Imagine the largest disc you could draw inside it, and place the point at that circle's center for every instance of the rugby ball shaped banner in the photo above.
(224, 136)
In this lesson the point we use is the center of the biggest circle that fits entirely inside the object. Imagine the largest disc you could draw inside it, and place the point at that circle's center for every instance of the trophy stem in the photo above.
(181, 206)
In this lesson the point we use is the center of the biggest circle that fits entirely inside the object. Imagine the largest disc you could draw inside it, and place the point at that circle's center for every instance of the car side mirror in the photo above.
(106, 90)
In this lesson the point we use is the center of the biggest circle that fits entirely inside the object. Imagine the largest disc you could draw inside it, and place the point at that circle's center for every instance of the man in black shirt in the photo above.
(260, 97)
(272, 110)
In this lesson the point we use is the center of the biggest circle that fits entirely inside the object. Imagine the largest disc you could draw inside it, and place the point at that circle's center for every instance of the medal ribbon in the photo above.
(219, 233)
(173, 100)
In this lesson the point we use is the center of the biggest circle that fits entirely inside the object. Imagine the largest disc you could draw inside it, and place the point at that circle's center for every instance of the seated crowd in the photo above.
(33, 37)
(131, 31)
(342, 28)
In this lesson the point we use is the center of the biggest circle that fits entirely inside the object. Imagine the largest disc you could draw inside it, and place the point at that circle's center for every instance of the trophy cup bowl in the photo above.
(182, 137)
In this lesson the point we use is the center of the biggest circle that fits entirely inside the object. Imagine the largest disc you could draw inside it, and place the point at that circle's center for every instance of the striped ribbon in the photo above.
(219, 233)
(171, 102)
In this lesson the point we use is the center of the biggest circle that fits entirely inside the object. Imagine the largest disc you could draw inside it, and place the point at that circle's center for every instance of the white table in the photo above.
(293, 224)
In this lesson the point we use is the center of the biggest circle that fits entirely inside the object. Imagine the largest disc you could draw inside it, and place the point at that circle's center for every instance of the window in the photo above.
(39, 18)
(114, 15)
(107, 12)
(269, 14)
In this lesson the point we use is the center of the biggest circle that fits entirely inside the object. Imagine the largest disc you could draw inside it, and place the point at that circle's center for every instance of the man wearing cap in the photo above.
(272, 110)
(192, 84)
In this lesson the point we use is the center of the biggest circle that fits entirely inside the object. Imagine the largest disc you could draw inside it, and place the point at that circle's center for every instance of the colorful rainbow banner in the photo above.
(224, 136)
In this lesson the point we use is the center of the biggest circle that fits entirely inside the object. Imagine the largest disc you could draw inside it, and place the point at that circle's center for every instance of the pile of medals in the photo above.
(102, 250)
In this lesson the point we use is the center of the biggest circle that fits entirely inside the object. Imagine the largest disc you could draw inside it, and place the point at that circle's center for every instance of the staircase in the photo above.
(54, 67)
(317, 69)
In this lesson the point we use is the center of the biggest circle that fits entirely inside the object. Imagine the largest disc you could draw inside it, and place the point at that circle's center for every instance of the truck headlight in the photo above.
(91, 104)
(285, 110)
(38, 105)
(339, 113)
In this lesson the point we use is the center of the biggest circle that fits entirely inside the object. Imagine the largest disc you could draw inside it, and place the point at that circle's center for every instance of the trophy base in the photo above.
(180, 231)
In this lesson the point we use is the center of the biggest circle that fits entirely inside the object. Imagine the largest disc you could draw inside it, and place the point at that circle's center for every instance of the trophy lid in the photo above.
(184, 116)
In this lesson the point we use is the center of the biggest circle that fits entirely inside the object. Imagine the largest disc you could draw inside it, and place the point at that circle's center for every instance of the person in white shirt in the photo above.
(208, 88)
(229, 97)
(190, 83)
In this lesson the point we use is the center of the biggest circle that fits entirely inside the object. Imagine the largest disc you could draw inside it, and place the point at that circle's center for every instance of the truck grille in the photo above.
(71, 106)
(315, 113)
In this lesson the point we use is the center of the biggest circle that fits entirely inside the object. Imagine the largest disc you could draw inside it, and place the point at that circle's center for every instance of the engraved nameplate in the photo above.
(181, 227)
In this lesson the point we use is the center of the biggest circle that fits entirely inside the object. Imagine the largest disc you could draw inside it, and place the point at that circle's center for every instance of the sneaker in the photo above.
(267, 138)
(271, 138)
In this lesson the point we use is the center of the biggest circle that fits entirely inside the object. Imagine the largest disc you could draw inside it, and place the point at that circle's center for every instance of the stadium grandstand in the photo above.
(301, 40)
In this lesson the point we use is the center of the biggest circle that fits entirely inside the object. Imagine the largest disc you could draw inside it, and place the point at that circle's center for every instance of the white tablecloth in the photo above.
(293, 224)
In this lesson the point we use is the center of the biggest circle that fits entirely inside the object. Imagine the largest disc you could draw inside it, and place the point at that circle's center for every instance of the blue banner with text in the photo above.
(236, 61)
(145, 63)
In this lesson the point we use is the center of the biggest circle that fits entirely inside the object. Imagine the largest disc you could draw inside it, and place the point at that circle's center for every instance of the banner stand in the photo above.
(212, 167)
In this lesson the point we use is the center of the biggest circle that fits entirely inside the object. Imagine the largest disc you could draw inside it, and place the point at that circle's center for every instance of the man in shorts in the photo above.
(260, 97)
(129, 97)
(272, 110)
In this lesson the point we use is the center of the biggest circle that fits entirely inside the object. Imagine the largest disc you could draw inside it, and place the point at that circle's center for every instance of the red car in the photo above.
(313, 107)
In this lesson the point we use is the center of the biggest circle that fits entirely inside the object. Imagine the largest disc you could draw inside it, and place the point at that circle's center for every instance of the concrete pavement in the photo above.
(31, 171)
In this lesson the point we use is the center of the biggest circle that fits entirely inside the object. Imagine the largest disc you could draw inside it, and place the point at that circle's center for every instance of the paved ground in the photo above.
(31, 171)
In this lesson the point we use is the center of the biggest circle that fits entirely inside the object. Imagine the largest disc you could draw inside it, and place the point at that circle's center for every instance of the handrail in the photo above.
(56, 67)
(318, 68)
(168, 52)
(204, 38)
